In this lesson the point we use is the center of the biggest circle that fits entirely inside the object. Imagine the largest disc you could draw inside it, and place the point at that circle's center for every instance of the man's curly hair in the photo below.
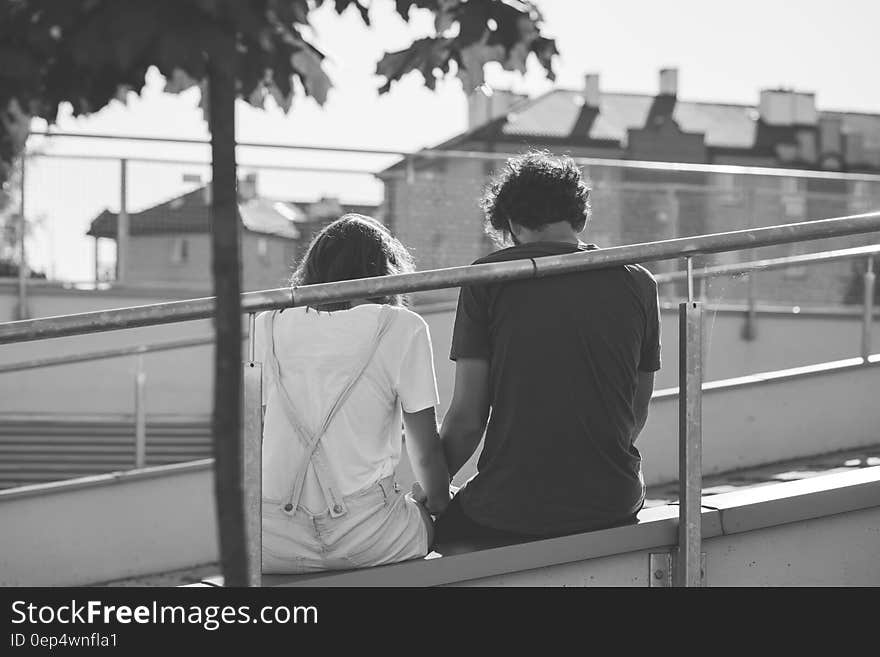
(532, 190)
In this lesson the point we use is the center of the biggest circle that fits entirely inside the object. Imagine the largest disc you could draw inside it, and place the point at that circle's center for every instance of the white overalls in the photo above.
(372, 526)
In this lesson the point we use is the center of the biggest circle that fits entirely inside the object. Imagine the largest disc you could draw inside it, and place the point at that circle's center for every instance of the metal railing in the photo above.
(687, 568)
(868, 281)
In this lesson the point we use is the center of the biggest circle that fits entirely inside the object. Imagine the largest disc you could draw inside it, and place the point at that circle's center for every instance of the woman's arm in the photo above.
(426, 456)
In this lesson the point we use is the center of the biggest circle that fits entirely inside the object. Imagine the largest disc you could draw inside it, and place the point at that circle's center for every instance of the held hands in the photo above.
(421, 497)
(418, 494)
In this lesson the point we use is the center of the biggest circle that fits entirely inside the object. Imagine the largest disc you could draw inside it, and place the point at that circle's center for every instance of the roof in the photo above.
(560, 115)
(556, 115)
(191, 213)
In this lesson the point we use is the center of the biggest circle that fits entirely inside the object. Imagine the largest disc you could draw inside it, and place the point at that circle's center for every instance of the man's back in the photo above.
(564, 355)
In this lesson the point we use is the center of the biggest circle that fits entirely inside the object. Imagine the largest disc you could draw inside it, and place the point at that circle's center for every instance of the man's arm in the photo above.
(644, 390)
(465, 421)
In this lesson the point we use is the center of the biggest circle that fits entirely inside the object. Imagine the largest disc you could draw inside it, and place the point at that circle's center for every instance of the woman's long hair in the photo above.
(354, 246)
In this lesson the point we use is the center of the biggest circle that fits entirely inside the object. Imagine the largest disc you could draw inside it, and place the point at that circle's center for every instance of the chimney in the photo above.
(668, 82)
(786, 107)
(247, 187)
(485, 106)
(591, 90)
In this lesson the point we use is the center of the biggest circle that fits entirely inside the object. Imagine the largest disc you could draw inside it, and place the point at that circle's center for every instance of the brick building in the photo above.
(431, 202)
(170, 243)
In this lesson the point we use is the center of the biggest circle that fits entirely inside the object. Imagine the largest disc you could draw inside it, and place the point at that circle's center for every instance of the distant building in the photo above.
(432, 203)
(170, 243)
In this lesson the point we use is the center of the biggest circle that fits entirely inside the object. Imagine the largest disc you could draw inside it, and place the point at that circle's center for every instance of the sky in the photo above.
(725, 52)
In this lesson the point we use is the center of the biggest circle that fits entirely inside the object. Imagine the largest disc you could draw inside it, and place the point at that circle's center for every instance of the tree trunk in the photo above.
(226, 267)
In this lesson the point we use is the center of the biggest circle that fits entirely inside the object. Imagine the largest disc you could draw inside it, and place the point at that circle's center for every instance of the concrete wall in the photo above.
(108, 527)
(753, 423)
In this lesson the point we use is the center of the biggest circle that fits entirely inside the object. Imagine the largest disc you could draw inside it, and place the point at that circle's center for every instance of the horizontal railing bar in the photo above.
(771, 263)
(205, 142)
(598, 186)
(496, 156)
(204, 163)
(169, 312)
(102, 355)
(313, 295)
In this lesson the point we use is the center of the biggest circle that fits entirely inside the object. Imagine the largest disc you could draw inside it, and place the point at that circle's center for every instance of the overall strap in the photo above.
(314, 451)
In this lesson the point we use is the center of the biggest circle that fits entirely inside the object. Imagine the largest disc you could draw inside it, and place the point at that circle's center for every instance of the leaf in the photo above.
(545, 49)
(405, 6)
(307, 65)
(179, 81)
(16, 124)
(446, 14)
(342, 5)
(473, 19)
(424, 55)
(289, 12)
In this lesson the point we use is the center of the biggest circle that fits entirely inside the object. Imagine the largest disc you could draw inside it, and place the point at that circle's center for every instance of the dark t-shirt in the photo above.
(564, 354)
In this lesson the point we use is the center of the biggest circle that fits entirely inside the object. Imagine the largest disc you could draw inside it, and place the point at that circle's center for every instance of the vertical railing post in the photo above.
(140, 415)
(687, 568)
(749, 331)
(22, 312)
(122, 228)
(252, 435)
(97, 263)
(868, 316)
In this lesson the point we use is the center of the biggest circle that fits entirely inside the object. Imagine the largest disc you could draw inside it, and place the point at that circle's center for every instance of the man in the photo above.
(565, 364)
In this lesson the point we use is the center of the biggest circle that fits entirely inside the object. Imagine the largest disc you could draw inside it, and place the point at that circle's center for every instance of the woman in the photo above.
(338, 380)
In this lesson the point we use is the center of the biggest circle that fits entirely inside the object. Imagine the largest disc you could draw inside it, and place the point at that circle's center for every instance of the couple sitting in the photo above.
(561, 369)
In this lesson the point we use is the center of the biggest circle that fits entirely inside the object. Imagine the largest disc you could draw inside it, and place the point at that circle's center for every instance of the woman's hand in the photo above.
(419, 496)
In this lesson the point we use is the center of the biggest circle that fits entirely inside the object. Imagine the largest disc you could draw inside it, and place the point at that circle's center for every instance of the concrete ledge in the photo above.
(725, 514)
(749, 509)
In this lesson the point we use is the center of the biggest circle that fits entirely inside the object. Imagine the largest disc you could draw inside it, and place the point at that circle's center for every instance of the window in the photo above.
(179, 251)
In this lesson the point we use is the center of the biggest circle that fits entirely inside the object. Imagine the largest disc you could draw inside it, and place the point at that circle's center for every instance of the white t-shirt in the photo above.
(317, 353)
